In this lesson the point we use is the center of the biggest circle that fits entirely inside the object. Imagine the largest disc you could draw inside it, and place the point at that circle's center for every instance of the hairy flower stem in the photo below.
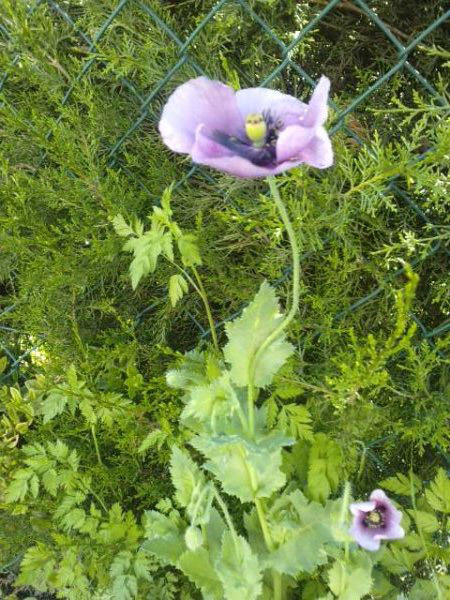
(294, 307)
(228, 519)
(204, 297)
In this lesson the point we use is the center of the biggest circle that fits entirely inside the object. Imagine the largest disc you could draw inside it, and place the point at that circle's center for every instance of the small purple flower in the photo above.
(249, 133)
(375, 520)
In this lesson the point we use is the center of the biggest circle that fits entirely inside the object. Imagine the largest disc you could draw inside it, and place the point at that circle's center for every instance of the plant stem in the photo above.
(276, 576)
(226, 514)
(295, 265)
(251, 405)
(204, 297)
(277, 585)
(295, 300)
(99, 500)
(97, 449)
(199, 288)
(264, 524)
(89, 490)
(343, 514)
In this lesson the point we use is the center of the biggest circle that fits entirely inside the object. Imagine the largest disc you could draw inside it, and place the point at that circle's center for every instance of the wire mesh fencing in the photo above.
(144, 100)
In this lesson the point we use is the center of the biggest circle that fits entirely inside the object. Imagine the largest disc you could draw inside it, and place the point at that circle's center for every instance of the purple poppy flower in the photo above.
(375, 520)
(249, 133)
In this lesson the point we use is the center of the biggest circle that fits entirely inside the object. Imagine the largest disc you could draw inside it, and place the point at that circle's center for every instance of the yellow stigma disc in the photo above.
(374, 518)
(256, 129)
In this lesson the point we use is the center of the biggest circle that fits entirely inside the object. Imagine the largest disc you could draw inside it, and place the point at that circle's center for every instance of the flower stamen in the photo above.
(374, 519)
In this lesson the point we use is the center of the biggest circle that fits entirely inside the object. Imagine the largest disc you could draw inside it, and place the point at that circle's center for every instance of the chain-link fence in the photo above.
(145, 98)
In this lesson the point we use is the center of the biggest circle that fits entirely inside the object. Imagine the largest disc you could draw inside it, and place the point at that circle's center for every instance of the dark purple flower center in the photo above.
(375, 518)
(264, 154)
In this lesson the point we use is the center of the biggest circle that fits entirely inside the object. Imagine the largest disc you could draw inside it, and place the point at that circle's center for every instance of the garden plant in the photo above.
(224, 277)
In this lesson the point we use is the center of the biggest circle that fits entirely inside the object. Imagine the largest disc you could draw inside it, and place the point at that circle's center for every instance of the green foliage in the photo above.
(177, 288)
(350, 581)
(237, 558)
(86, 420)
(438, 494)
(148, 246)
(104, 408)
(325, 468)
(301, 534)
(247, 333)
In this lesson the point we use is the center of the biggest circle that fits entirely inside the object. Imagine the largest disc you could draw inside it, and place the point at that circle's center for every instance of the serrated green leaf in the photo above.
(424, 589)
(121, 227)
(36, 567)
(67, 570)
(190, 373)
(313, 589)
(166, 198)
(425, 521)
(211, 404)
(67, 503)
(146, 249)
(124, 587)
(213, 366)
(438, 494)
(142, 566)
(186, 476)
(74, 519)
(399, 560)
(196, 565)
(348, 582)
(400, 484)
(214, 529)
(238, 569)
(318, 484)
(58, 449)
(50, 481)
(324, 469)
(303, 534)
(163, 537)
(187, 245)
(246, 334)
(154, 438)
(286, 391)
(72, 378)
(137, 226)
(272, 411)
(34, 486)
(121, 563)
(18, 488)
(53, 405)
(295, 420)
(88, 412)
(245, 469)
(191, 491)
(381, 586)
(167, 245)
(3, 364)
(177, 288)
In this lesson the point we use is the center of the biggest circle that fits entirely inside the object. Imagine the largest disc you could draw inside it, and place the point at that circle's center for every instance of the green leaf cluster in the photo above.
(361, 391)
